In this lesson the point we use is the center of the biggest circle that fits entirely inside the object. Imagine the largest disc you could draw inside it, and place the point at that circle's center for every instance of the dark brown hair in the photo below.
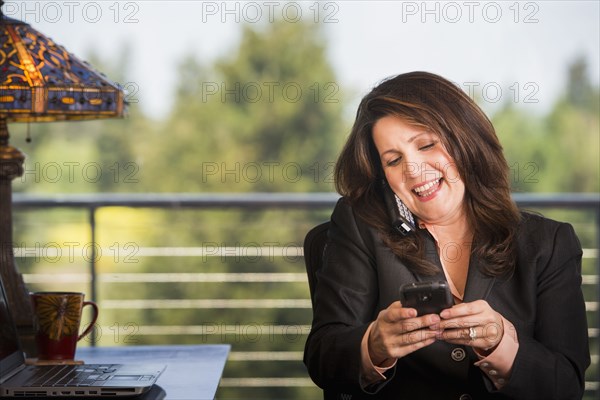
(428, 100)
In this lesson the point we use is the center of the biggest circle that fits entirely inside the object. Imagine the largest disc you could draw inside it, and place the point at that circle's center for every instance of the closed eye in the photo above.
(393, 162)
(428, 146)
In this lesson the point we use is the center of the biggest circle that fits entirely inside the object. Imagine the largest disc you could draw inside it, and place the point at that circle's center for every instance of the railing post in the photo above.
(93, 284)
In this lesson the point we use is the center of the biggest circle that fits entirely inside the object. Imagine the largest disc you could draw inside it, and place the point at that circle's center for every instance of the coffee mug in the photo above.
(57, 316)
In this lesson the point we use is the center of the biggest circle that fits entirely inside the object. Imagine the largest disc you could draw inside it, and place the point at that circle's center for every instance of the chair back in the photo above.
(315, 242)
(314, 246)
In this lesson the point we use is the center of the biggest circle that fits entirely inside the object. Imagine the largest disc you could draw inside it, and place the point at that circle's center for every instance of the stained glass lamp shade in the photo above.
(40, 81)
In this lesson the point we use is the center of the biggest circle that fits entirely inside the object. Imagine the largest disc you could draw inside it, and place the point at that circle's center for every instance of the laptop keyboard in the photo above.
(71, 375)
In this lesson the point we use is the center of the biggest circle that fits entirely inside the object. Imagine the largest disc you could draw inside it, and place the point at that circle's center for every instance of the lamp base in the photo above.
(11, 167)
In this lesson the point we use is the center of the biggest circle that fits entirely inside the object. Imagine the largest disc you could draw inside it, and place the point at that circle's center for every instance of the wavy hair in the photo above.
(427, 100)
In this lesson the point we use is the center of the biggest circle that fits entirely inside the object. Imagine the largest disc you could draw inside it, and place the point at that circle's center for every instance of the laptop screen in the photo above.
(10, 352)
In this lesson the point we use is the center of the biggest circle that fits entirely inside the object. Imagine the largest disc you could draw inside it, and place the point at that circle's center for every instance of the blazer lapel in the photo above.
(431, 254)
(478, 285)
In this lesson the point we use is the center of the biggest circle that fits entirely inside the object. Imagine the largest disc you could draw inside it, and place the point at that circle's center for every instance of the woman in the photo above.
(517, 329)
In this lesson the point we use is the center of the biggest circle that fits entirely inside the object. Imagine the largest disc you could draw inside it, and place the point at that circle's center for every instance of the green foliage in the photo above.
(266, 118)
(558, 152)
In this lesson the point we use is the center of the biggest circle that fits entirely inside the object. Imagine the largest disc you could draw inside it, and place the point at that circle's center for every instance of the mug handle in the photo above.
(89, 328)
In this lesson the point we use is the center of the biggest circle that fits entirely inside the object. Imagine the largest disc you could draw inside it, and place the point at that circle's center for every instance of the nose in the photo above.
(411, 168)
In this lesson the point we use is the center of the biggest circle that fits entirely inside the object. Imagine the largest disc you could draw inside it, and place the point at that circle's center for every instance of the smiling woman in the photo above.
(452, 139)
(515, 277)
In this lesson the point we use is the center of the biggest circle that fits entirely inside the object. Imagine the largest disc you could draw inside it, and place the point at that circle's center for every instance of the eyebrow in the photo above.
(412, 139)
(416, 136)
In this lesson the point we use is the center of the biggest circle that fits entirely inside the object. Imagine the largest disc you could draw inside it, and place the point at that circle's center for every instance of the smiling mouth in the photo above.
(427, 189)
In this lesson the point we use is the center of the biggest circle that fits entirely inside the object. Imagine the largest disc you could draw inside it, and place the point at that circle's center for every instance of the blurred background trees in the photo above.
(265, 118)
(269, 118)
(558, 152)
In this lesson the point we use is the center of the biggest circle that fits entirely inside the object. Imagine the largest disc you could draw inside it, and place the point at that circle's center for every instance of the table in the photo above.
(193, 371)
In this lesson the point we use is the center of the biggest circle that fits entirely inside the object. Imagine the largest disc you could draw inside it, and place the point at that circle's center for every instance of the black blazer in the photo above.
(543, 299)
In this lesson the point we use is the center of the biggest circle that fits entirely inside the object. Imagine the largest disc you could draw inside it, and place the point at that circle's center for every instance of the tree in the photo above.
(557, 152)
(266, 118)
(574, 134)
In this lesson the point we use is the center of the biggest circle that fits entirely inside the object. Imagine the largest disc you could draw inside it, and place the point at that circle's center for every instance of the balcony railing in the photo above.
(267, 329)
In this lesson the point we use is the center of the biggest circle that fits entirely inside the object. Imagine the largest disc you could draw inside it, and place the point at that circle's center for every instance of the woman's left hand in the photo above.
(474, 324)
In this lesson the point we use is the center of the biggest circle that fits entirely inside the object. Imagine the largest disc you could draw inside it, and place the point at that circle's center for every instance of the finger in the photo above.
(412, 325)
(459, 323)
(413, 337)
(484, 337)
(456, 335)
(487, 320)
(395, 312)
(464, 336)
(408, 331)
(463, 309)
(398, 344)
(431, 321)
(469, 314)
(410, 348)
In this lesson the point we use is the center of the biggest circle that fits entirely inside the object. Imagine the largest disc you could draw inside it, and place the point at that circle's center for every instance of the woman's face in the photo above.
(419, 170)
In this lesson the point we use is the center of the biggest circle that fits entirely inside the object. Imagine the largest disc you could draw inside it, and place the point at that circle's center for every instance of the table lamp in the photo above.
(40, 81)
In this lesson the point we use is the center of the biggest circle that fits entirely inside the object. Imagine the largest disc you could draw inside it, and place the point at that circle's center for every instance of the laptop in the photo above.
(88, 380)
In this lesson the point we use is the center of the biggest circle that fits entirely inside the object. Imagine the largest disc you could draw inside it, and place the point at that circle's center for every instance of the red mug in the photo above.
(57, 316)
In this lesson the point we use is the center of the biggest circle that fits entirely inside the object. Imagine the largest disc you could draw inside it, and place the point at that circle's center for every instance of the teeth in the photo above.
(426, 186)
(424, 190)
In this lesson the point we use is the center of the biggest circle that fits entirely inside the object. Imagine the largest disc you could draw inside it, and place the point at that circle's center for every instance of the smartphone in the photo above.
(426, 297)
(401, 218)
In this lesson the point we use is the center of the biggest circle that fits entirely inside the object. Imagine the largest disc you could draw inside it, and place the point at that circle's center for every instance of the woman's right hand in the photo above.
(398, 331)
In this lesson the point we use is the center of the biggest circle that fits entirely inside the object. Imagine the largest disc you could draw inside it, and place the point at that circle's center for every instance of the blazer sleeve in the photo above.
(551, 363)
(344, 303)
